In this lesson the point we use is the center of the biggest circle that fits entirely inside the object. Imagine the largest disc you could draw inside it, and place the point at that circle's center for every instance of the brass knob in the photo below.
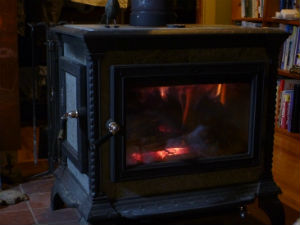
(113, 127)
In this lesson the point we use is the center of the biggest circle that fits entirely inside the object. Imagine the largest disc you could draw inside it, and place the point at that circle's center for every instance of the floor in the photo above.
(37, 209)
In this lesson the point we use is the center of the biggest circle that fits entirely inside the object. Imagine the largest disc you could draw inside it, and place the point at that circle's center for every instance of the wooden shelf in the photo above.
(286, 133)
(286, 73)
(248, 19)
(290, 22)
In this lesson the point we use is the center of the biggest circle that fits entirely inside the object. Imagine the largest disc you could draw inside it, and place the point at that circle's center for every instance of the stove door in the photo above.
(72, 111)
(184, 118)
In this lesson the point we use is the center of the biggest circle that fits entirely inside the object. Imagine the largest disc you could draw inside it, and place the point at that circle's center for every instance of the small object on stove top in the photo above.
(112, 9)
(176, 25)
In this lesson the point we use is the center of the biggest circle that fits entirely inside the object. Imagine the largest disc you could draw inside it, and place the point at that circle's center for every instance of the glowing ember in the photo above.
(159, 155)
(162, 154)
(177, 151)
(164, 129)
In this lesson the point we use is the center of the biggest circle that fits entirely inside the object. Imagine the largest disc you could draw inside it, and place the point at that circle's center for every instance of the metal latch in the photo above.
(63, 123)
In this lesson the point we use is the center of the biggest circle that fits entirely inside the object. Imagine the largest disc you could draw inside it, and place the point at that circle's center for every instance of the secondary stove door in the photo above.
(73, 112)
(184, 118)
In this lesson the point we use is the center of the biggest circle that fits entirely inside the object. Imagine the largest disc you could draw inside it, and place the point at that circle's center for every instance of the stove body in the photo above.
(195, 108)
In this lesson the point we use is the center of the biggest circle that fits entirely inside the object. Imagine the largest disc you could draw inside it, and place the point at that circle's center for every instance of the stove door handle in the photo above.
(63, 122)
(113, 128)
(71, 114)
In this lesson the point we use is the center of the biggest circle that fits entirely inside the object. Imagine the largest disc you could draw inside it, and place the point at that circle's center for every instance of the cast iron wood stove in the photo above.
(159, 122)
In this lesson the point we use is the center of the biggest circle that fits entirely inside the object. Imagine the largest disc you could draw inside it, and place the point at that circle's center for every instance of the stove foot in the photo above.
(273, 208)
(56, 201)
(82, 221)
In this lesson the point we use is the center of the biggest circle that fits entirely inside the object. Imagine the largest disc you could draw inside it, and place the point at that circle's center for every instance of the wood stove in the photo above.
(158, 122)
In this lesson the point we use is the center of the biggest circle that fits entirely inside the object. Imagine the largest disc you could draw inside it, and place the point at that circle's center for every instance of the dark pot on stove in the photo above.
(150, 12)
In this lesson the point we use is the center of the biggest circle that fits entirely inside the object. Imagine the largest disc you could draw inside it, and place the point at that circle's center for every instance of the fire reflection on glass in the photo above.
(183, 122)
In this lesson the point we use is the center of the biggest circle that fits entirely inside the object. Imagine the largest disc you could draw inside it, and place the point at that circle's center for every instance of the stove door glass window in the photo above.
(184, 122)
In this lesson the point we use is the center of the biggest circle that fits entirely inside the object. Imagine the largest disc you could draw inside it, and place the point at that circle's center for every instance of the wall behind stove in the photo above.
(9, 82)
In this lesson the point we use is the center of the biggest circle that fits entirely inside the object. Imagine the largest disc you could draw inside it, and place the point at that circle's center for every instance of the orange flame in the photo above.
(163, 92)
(188, 95)
(223, 95)
(219, 90)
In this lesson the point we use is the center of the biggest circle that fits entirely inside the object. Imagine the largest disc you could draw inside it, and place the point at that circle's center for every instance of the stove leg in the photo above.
(56, 202)
(273, 208)
(82, 221)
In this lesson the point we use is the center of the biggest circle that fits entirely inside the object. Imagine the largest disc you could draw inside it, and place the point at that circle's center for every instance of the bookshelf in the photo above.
(270, 7)
(287, 74)
(290, 22)
(286, 163)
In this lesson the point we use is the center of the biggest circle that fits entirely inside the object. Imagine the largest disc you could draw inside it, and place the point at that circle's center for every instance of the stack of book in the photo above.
(288, 105)
(252, 8)
(291, 49)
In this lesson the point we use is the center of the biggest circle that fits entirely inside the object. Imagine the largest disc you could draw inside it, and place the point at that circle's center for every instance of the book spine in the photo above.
(254, 9)
(280, 113)
(292, 52)
(297, 49)
(281, 85)
(287, 48)
(290, 4)
(243, 8)
(290, 111)
(296, 44)
(277, 105)
(282, 4)
(285, 108)
(296, 110)
(258, 9)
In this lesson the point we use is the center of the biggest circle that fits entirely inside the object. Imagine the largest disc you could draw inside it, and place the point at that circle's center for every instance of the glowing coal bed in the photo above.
(184, 122)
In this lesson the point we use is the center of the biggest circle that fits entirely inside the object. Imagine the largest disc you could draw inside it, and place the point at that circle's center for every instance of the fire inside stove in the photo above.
(184, 122)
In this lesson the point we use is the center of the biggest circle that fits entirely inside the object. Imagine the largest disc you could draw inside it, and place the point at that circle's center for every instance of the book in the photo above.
(282, 85)
(285, 107)
(288, 42)
(292, 53)
(297, 49)
(290, 109)
(243, 8)
(261, 8)
(289, 4)
(296, 46)
(282, 4)
(248, 8)
(295, 123)
(254, 9)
